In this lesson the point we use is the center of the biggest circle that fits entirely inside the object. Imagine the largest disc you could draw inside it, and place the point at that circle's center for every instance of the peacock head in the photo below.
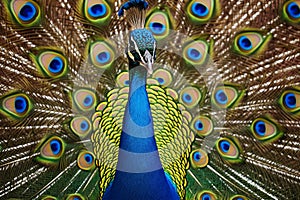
(141, 49)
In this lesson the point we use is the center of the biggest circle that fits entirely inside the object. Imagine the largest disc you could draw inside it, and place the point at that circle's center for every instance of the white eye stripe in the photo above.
(137, 49)
(154, 48)
(130, 55)
(147, 53)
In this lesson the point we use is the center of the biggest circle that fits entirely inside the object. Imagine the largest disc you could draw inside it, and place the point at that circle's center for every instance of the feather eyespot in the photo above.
(51, 150)
(85, 99)
(245, 43)
(163, 77)
(202, 125)
(238, 197)
(206, 195)
(195, 52)
(86, 160)
(200, 11)
(190, 96)
(227, 96)
(199, 158)
(49, 198)
(96, 11)
(25, 12)
(75, 197)
(250, 43)
(159, 23)
(290, 101)
(101, 54)
(291, 11)
(103, 57)
(51, 63)
(265, 129)
(157, 28)
(123, 79)
(229, 149)
(221, 97)
(16, 105)
(81, 126)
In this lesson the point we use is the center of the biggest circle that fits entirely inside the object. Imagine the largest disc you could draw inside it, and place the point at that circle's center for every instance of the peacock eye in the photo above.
(238, 197)
(85, 99)
(101, 54)
(81, 126)
(249, 43)
(200, 11)
(96, 11)
(159, 23)
(75, 197)
(229, 149)
(199, 158)
(52, 64)
(265, 129)
(26, 12)
(289, 101)
(157, 28)
(163, 77)
(202, 125)
(291, 11)
(123, 79)
(190, 96)
(226, 96)
(86, 160)
(51, 150)
(206, 195)
(49, 198)
(16, 105)
(196, 52)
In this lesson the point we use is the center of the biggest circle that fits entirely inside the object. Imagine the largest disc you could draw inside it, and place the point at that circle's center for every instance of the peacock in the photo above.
(149, 100)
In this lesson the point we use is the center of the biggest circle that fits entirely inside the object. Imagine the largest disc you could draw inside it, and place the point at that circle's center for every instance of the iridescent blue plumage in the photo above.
(244, 43)
(290, 100)
(293, 10)
(260, 128)
(20, 104)
(27, 12)
(139, 172)
(142, 4)
(97, 10)
(199, 9)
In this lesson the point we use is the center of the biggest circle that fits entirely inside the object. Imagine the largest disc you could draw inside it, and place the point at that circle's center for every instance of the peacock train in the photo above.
(149, 100)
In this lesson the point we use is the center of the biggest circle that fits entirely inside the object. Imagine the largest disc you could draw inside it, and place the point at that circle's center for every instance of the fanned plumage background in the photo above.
(258, 117)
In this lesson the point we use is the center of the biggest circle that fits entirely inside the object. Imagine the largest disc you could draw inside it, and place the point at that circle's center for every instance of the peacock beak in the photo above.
(150, 67)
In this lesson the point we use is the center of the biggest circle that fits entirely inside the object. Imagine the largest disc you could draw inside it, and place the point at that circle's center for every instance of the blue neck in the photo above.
(138, 119)
(139, 172)
(137, 137)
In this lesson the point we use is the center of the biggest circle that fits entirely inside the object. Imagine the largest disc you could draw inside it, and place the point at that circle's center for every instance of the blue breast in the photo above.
(139, 174)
